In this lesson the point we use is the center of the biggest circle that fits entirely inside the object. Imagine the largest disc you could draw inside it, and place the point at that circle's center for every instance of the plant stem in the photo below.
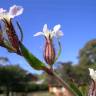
(52, 73)
(64, 84)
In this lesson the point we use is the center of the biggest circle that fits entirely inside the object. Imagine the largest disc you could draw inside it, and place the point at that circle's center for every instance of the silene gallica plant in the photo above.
(10, 40)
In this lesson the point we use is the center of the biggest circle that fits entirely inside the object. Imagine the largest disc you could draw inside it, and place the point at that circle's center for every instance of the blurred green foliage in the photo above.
(15, 79)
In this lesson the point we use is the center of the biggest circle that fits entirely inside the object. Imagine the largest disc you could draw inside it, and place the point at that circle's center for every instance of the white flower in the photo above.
(56, 32)
(92, 73)
(13, 11)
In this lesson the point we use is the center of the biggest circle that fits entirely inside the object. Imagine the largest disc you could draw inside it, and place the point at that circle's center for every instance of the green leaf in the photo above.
(84, 90)
(76, 89)
(32, 60)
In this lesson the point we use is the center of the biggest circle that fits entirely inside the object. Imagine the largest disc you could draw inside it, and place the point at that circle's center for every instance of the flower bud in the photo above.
(13, 38)
(49, 52)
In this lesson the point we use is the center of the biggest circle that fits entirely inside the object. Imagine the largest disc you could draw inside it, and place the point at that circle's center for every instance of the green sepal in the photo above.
(32, 60)
(59, 51)
(21, 31)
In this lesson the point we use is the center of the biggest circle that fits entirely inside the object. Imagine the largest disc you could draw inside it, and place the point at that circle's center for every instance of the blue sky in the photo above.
(77, 18)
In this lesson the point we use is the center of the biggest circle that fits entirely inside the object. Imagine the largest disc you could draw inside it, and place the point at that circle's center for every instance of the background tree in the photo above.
(87, 55)
(4, 61)
(12, 78)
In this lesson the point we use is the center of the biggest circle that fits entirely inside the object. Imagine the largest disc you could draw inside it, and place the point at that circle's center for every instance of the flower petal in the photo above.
(59, 34)
(3, 13)
(46, 31)
(15, 11)
(57, 27)
(45, 28)
(2, 10)
(56, 34)
(92, 73)
(52, 34)
(39, 33)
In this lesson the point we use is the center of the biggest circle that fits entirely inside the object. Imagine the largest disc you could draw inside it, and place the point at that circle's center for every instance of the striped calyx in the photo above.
(49, 52)
(1, 37)
(12, 36)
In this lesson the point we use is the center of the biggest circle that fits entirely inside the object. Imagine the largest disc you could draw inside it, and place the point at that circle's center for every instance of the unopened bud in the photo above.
(13, 38)
(49, 52)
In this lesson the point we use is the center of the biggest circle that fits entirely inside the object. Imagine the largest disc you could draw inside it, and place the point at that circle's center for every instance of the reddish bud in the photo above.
(13, 38)
(1, 37)
(49, 52)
